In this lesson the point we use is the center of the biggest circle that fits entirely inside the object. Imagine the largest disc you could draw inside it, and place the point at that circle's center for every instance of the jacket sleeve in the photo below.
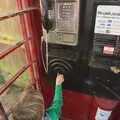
(56, 106)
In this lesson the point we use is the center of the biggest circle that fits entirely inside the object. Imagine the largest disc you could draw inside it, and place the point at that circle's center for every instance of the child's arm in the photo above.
(55, 109)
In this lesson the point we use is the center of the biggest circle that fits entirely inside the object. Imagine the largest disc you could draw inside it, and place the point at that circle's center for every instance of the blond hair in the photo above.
(30, 107)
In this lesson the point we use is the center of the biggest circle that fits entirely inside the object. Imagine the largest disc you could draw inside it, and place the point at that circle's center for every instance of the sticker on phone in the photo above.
(102, 114)
(108, 50)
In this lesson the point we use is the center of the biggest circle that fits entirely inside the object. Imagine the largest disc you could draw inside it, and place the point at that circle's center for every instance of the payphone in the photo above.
(62, 21)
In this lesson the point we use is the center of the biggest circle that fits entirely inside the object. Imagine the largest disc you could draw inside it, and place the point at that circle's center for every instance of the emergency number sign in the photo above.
(108, 20)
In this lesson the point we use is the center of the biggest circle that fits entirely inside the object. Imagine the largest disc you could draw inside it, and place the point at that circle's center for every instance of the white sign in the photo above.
(102, 114)
(108, 20)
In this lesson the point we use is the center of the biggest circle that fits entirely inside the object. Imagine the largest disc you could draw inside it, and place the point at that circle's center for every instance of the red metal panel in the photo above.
(76, 106)
(35, 30)
(102, 103)
(116, 113)
(79, 106)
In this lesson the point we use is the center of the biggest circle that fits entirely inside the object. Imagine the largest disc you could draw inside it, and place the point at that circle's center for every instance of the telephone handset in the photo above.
(48, 14)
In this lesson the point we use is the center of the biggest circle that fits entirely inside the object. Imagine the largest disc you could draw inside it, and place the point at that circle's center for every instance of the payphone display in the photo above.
(66, 27)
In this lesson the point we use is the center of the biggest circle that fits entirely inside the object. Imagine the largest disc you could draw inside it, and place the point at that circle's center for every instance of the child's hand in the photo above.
(59, 79)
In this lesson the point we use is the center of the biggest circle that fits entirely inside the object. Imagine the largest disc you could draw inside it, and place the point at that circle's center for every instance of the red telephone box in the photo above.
(79, 103)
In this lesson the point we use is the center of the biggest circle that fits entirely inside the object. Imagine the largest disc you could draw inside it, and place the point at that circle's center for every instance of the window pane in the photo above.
(10, 30)
(10, 33)
(11, 64)
(8, 5)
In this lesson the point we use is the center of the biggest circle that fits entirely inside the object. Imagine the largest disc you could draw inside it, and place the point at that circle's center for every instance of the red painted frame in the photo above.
(25, 42)
(35, 30)
(27, 46)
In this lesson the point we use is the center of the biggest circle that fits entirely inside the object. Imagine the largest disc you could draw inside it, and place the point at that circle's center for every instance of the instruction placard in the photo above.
(108, 20)
(102, 114)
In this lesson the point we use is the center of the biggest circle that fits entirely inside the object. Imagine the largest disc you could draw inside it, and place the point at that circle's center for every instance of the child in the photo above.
(31, 105)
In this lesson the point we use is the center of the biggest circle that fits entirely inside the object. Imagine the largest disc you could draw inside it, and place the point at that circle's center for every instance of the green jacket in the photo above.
(54, 111)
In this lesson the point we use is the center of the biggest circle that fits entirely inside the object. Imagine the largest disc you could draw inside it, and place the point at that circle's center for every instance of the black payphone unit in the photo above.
(63, 22)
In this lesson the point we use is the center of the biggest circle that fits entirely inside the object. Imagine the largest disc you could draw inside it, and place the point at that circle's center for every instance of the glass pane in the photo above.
(8, 5)
(11, 64)
(10, 30)
(23, 80)
(12, 94)
(10, 33)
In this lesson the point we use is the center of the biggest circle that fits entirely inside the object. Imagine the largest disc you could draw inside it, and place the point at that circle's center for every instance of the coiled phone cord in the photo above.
(45, 65)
